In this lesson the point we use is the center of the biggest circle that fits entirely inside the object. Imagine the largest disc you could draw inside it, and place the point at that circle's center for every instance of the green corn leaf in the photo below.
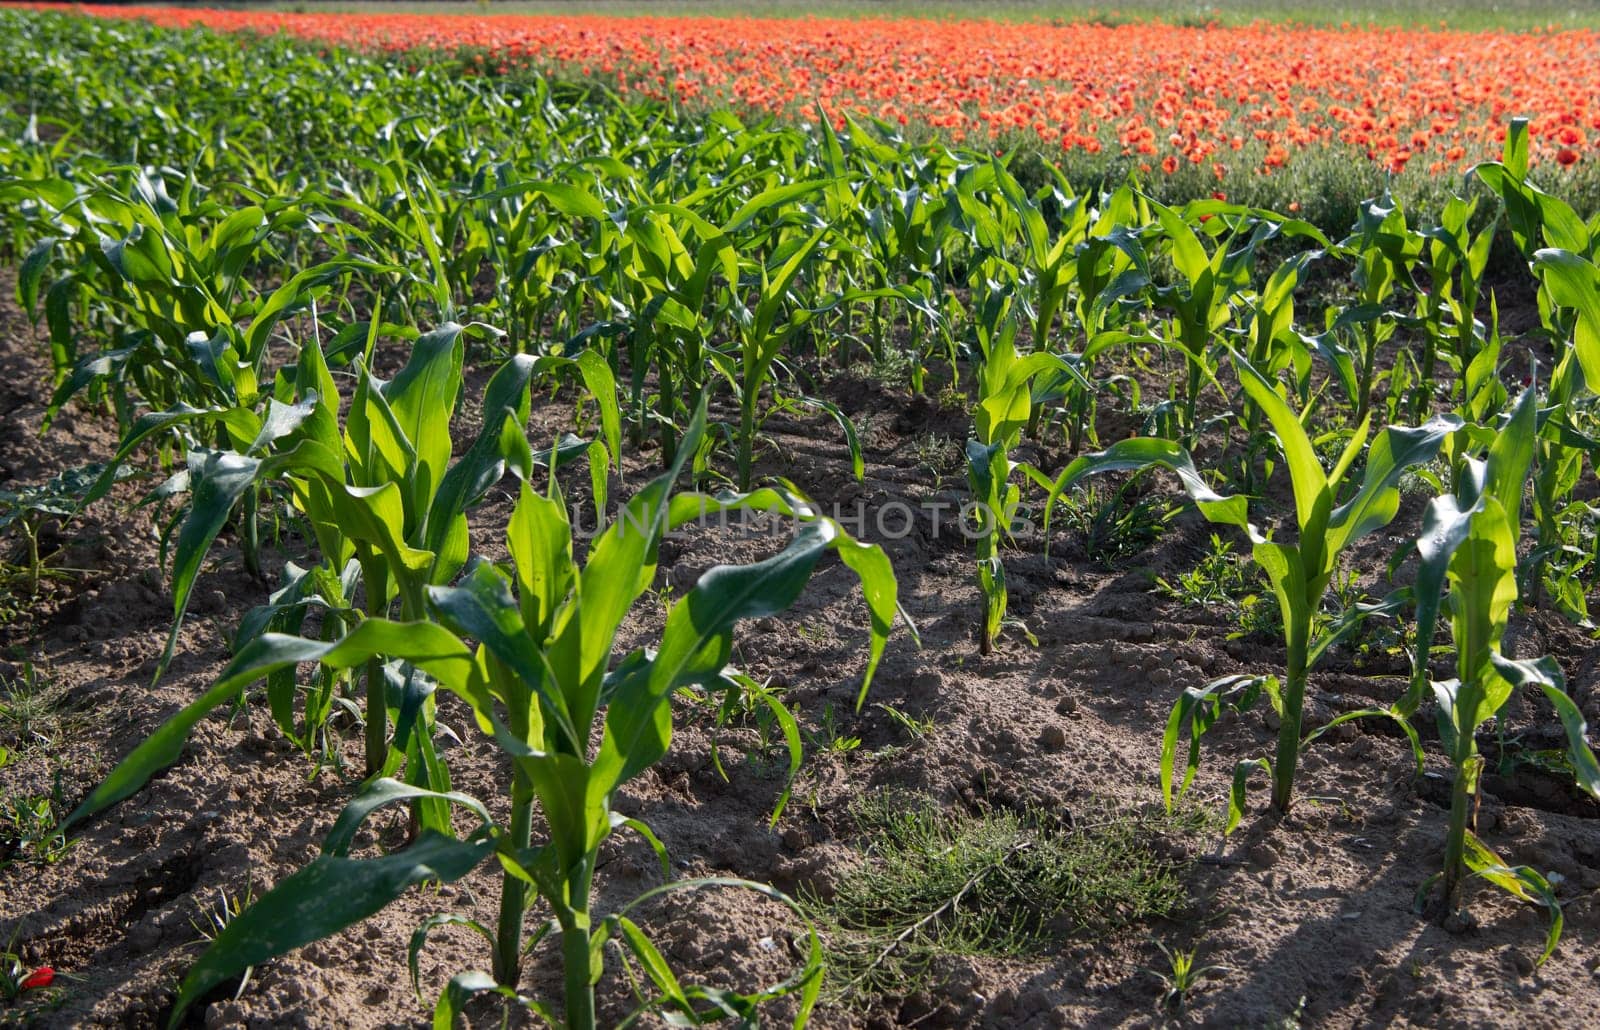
(539, 538)
(621, 565)
(385, 791)
(696, 644)
(1521, 881)
(218, 480)
(426, 645)
(1511, 456)
(422, 397)
(323, 898)
(1142, 452)
(591, 368)
(242, 425)
(30, 274)
(465, 985)
(1546, 675)
(807, 979)
(1200, 707)
(483, 607)
(419, 940)
(1514, 152)
(1574, 283)
(1396, 449)
(1238, 789)
(654, 963)
(1312, 498)
(292, 293)
(1444, 526)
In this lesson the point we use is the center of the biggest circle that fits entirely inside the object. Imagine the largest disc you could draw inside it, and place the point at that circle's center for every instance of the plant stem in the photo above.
(252, 531)
(514, 891)
(30, 532)
(377, 729)
(1364, 390)
(1191, 418)
(1455, 841)
(664, 407)
(747, 436)
(1288, 757)
(575, 956)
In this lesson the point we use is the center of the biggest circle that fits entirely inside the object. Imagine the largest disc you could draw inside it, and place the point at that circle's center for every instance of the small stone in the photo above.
(1067, 705)
(1053, 738)
(143, 936)
(1519, 961)
(794, 839)
(1262, 855)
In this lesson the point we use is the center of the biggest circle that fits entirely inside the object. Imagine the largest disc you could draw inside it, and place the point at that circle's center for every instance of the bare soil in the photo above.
(1311, 917)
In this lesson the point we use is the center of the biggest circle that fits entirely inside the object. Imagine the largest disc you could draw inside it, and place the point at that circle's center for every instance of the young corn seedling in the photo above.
(26, 510)
(1004, 401)
(540, 683)
(761, 337)
(1299, 572)
(1469, 542)
(1206, 286)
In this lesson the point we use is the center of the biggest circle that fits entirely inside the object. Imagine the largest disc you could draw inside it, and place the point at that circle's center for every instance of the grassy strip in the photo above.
(1457, 14)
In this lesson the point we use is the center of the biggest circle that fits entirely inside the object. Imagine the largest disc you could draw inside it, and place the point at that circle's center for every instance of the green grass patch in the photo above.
(936, 883)
(1457, 14)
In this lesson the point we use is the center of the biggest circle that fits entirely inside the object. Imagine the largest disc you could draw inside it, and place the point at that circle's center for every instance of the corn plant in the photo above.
(1005, 383)
(24, 510)
(1206, 287)
(1469, 542)
(1299, 573)
(1455, 259)
(539, 682)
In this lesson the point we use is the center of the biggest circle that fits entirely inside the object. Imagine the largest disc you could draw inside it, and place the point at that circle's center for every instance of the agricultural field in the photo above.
(589, 520)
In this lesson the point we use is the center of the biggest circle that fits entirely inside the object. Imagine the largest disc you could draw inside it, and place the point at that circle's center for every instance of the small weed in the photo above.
(894, 368)
(28, 824)
(1181, 976)
(915, 727)
(1220, 579)
(1114, 523)
(33, 711)
(939, 456)
(25, 511)
(208, 922)
(830, 738)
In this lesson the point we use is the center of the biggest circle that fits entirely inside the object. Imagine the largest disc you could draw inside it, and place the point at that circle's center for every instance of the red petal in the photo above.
(44, 976)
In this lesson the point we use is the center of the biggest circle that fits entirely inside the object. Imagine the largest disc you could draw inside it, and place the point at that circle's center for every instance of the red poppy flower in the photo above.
(40, 978)
(1428, 94)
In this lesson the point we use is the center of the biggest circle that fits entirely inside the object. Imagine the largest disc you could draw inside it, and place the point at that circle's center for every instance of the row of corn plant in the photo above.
(207, 282)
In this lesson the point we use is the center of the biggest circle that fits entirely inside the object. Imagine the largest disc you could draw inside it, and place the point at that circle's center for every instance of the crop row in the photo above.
(225, 271)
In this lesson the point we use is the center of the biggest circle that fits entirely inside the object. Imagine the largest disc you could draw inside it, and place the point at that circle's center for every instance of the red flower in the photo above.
(1566, 157)
(40, 978)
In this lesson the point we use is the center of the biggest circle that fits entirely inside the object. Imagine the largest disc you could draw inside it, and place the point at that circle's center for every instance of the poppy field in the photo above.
(1231, 107)
(592, 521)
